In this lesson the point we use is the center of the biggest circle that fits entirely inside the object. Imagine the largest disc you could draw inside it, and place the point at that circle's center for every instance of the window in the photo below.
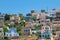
(59, 35)
(6, 34)
(52, 14)
(42, 21)
(0, 31)
(46, 28)
(15, 34)
(26, 30)
(43, 35)
(10, 34)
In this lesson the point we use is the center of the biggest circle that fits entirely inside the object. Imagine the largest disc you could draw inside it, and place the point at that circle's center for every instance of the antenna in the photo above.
(47, 8)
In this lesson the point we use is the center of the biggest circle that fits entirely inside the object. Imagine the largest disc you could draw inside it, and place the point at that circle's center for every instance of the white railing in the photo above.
(56, 24)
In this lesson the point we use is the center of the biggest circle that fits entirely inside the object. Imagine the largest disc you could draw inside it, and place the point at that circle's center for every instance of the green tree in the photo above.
(47, 37)
(42, 10)
(19, 30)
(1, 39)
(7, 17)
(34, 18)
(38, 34)
(54, 32)
(37, 26)
(51, 18)
(5, 30)
(22, 23)
(7, 23)
(6, 38)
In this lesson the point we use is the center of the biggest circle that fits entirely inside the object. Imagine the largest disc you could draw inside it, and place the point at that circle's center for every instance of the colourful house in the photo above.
(12, 32)
(26, 31)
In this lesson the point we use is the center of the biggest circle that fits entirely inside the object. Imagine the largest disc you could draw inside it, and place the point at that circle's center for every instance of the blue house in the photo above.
(12, 32)
(47, 32)
(52, 14)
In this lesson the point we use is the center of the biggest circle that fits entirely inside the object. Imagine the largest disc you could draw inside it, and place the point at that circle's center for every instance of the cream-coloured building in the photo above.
(34, 13)
(55, 25)
(42, 15)
(1, 33)
(57, 36)
(12, 17)
(2, 19)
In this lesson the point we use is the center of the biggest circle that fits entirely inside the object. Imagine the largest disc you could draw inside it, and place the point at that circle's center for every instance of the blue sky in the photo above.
(25, 6)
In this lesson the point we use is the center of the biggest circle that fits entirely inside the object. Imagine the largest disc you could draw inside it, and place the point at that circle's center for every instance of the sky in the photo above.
(25, 6)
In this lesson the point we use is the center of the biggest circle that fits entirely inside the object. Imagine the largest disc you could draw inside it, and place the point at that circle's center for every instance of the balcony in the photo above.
(56, 24)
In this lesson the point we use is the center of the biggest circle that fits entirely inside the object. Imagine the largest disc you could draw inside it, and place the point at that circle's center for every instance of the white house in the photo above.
(12, 33)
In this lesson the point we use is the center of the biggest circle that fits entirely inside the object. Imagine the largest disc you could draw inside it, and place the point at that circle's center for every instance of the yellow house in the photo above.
(12, 17)
(15, 17)
(18, 18)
